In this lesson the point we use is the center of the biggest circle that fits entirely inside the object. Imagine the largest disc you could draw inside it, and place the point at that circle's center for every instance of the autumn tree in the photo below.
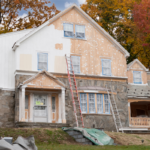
(115, 16)
(141, 14)
(38, 11)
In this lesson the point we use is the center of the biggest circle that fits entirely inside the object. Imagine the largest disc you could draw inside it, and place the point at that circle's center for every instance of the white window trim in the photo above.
(110, 68)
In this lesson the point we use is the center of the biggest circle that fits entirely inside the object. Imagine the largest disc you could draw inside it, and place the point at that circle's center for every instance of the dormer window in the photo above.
(68, 30)
(137, 78)
(106, 67)
(80, 31)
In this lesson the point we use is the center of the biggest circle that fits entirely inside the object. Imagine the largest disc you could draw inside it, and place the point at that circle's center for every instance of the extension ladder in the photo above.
(114, 109)
(74, 93)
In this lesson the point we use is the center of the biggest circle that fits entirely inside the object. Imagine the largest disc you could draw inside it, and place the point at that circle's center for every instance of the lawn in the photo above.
(82, 147)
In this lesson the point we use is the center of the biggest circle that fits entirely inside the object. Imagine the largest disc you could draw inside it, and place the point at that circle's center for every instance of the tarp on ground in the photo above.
(96, 136)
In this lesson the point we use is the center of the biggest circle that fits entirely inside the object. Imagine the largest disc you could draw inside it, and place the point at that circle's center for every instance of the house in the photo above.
(34, 81)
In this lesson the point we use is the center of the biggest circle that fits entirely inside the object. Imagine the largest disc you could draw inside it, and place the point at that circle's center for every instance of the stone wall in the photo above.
(100, 121)
(7, 108)
(90, 120)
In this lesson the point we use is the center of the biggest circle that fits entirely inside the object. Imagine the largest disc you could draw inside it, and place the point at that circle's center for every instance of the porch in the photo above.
(139, 113)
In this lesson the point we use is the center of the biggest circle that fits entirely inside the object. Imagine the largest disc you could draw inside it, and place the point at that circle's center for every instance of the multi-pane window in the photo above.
(99, 103)
(68, 30)
(92, 103)
(107, 107)
(80, 31)
(76, 63)
(106, 67)
(137, 77)
(42, 61)
(83, 102)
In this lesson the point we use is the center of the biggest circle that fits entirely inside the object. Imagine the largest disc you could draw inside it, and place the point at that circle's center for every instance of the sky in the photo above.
(61, 4)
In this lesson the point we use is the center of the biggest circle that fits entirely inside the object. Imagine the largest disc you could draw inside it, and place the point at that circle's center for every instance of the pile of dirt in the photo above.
(129, 139)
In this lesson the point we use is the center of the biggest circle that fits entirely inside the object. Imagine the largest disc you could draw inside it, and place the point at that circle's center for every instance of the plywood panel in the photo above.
(25, 62)
(60, 64)
(95, 47)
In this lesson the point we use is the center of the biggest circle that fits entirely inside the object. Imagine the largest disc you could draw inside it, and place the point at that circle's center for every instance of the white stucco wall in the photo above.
(7, 58)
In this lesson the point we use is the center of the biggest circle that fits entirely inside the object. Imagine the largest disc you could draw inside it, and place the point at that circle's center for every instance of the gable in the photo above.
(43, 81)
(81, 12)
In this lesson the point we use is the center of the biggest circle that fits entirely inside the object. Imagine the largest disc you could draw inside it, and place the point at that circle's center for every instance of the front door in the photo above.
(40, 108)
(54, 108)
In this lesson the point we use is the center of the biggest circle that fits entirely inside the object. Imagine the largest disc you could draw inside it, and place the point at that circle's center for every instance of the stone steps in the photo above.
(79, 137)
(40, 125)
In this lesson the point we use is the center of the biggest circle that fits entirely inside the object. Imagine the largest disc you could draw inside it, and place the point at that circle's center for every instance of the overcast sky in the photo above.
(61, 4)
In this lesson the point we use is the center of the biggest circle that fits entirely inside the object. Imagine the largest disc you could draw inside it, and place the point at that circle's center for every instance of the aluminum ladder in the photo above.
(114, 109)
(74, 93)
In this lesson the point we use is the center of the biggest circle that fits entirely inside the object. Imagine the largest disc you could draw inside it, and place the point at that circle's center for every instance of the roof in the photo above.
(136, 61)
(48, 74)
(87, 17)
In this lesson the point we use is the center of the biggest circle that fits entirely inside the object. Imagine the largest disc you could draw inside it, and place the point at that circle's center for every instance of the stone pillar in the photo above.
(129, 112)
(23, 104)
(49, 108)
(59, 106)
(31, 107)
(63, 105)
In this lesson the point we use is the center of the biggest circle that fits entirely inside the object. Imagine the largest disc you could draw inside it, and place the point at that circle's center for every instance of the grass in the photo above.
(56, 139)
(81, 147)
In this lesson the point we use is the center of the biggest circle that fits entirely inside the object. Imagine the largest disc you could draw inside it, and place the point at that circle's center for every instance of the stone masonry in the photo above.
(7, 108)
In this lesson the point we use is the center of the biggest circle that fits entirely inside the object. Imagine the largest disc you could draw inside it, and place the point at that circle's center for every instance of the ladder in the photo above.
(114, 109)
(74, 93)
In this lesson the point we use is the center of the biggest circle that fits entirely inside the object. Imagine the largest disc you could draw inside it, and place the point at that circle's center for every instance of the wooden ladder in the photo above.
(74, 93)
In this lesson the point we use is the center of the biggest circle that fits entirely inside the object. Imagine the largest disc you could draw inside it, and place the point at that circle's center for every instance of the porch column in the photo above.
(20, 104)
(129, 111)
(49, 108)
(59, 110)
(23, 104)
(63, 105)
(31, 107)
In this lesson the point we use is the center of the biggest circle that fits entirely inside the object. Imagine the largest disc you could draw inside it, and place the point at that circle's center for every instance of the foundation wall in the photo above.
(7, 109)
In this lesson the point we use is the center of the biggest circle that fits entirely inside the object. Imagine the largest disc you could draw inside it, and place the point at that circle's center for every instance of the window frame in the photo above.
(73, 65)
(76, 31)
(103, 68)
(89, 103)
(108, 104)
(38, 61)
(102, 112)
(81, 103)
(64, 30)
(140, 77)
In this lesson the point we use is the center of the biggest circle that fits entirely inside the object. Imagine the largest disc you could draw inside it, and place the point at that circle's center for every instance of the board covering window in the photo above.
(42, 61)
(137, 77)
(99, 103)
(80, 31)
(83, 102)
(106, 67)
(76, 63)
(92, 103)
(68, 30)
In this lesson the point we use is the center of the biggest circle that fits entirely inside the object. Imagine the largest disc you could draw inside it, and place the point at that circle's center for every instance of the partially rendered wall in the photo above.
(94, 48)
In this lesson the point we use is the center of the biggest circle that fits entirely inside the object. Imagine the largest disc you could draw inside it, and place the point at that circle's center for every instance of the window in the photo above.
(107, 105)
(99, 103)
(83, 103)
(68, 30)
(80, 31)
(92, 103)
(42, 61)
(76, 63)
(137, 77)
(106, 67)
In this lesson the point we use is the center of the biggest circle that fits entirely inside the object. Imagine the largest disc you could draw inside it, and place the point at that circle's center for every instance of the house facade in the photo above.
(34, 81)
